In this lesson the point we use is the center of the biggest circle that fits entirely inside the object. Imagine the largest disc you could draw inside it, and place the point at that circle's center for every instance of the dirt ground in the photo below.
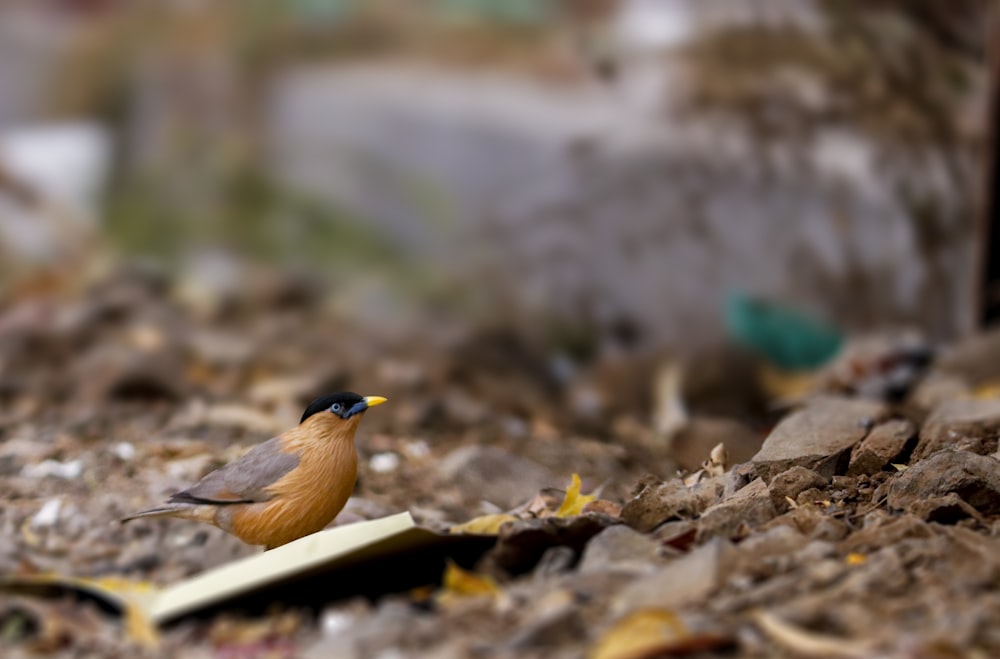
(861, 528)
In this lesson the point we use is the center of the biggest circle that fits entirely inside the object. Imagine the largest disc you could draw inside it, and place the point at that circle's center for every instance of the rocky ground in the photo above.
(859, 528)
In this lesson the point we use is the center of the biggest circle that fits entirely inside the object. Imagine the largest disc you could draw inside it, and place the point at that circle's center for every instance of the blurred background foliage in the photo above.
(190, 95)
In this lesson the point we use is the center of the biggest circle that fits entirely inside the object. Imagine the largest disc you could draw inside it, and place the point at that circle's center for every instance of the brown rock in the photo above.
(975, 479)
(521, 544)
(937, 388)
(882, 529)
(686, 580)
(658, 503)
(751, 506)
(777, 540)
(789, 484)
(819, 436)
(975, 360)
(813, 495)
(884, 445)
(814, 523)
(968, 425)
(620, 548)
(553, 620)
(946, 509)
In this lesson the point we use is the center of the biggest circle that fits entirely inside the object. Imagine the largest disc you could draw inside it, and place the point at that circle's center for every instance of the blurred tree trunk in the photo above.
(988, 293)
(907, 77)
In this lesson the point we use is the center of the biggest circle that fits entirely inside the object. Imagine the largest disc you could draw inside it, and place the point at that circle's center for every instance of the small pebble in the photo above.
(417, 449)
(124, 450)
(334, 623)
(47, 515)
(67, 470)
(382, 463)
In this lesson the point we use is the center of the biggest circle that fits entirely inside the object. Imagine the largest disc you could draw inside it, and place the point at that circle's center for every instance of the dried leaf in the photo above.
(458, 583)
(485, 525)
(987, 391)
(854, 558)
(48, 627)
(267, 637)
(643, 633)
(683, 541)
(422, 594)
(717, 461)
(786, 387)
(133, 597)
(29, 537)
(806, 644)
(694, 478)
(670, 412)
(604, 507)
(540, 506)
(574, 502)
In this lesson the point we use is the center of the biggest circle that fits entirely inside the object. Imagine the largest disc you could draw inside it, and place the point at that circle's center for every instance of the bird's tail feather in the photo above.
(162, 511)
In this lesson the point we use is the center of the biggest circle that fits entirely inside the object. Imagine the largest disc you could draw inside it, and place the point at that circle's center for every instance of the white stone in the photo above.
(68, 470)
(124, 450)
(47, 515)
(384, 462)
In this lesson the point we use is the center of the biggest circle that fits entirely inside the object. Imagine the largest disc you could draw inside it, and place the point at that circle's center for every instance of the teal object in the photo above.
(326, 11)
(525, 12)
(787, 337)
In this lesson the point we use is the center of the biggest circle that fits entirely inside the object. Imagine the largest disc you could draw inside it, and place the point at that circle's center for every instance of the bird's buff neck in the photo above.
(322, 431)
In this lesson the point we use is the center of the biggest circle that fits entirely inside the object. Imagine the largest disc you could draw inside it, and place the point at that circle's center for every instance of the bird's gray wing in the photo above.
(244, 480)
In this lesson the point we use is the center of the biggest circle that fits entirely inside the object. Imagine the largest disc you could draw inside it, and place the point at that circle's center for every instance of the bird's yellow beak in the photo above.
(372, 401)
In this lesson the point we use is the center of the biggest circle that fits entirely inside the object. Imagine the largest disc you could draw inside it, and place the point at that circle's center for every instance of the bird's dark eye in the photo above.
(336, 408)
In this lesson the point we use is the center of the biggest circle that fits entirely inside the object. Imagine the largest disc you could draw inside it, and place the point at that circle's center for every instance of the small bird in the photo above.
(285, 488)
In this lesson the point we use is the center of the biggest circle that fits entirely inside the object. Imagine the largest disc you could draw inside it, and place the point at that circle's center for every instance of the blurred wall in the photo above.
(569, 200)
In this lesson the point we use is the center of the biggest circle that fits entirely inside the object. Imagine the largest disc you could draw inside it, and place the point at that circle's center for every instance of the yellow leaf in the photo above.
(900, 467)
(643, 633)
(139, 628)
(786, 386)
(136, 597)
(855, 558)
(28, 535)
(987, 391)
(574, 502)
(485, 525)
(463, 583)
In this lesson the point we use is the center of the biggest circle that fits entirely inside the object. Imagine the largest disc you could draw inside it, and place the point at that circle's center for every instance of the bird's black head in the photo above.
(344, 404)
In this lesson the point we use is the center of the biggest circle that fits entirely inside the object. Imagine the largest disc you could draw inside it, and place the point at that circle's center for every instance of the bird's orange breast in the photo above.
(306, 499)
